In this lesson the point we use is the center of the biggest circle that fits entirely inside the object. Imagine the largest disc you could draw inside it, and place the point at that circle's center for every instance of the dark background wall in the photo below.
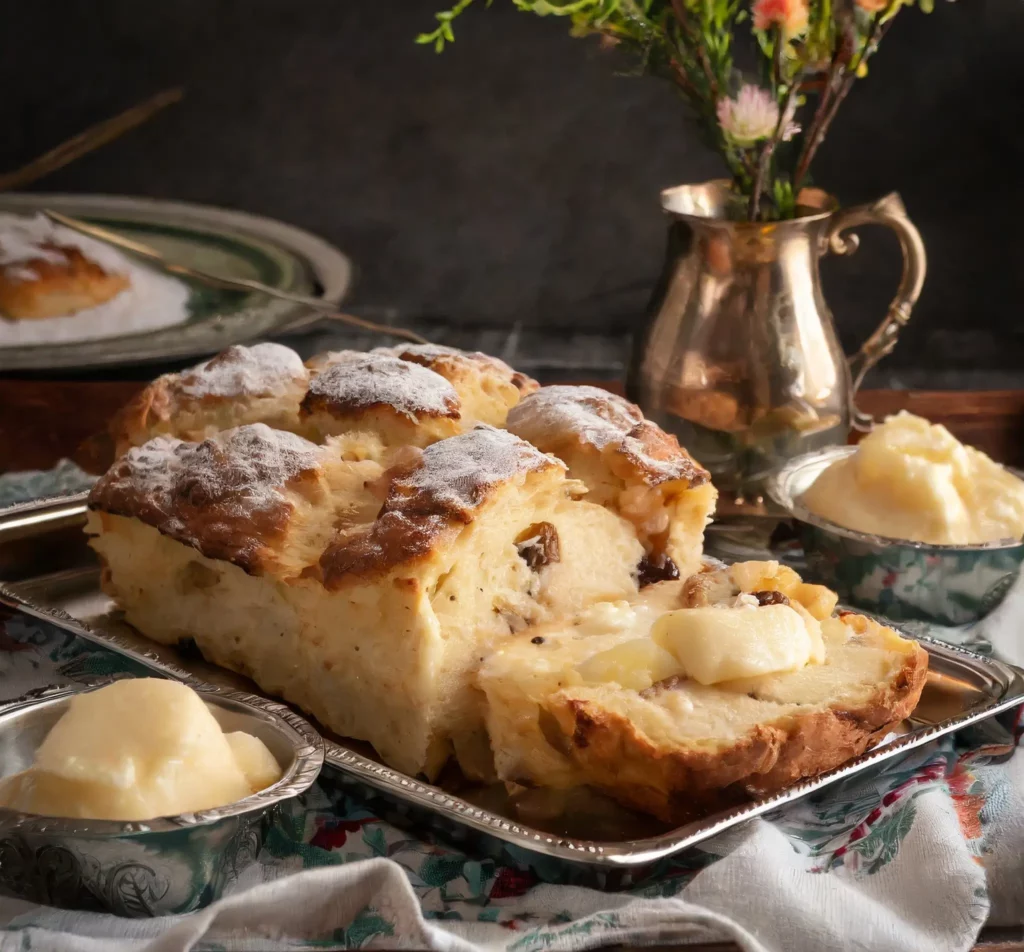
(515, 177)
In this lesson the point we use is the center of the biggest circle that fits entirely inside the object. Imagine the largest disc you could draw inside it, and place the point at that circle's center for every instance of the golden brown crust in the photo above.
(234, 375)
(224, 497)
(697, 589)
(450, 363)
(257, 371)
(132, 424)
(430, 499)
(675, 785)
(40, 287)
(558, 417)
(352, 383)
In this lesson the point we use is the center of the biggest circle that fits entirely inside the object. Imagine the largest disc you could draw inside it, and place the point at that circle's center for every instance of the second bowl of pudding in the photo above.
(137, 867)
(901, 579)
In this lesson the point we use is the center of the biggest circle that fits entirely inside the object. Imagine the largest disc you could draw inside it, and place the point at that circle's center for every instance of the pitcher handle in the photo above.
(888, 211)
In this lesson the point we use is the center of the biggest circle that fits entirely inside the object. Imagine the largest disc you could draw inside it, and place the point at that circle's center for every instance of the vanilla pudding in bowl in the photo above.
(910, 524)
(912, 480)
(143, 797)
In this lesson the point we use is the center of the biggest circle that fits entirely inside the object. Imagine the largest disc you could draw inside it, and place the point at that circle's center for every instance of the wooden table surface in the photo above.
(42, 421)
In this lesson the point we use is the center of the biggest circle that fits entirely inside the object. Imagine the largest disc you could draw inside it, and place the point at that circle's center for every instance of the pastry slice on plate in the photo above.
(47, 271)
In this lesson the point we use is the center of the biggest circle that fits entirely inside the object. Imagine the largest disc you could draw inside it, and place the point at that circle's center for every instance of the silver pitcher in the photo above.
(740, 358)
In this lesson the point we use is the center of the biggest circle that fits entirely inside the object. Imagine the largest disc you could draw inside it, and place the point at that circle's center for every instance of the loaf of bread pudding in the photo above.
(359, 533)
(427, 551)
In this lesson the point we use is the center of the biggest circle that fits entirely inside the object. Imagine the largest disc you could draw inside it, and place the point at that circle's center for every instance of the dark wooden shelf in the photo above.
(43, 420)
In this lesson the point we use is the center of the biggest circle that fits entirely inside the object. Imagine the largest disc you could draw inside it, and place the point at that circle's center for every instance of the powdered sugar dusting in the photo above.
(24, 239)
(151, 301)
(257, 458)
(439, 353)
(431, 500)
(150, 470)
(555, 415)
(456, 473)
(594, 415)
(437, 356)
(263, 370)
(351, 382)
(428, 351)
(225, 496)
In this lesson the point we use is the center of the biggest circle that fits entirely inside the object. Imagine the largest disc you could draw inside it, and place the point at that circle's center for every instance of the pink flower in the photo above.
(873, 6)
(752, 116)
(791, 15)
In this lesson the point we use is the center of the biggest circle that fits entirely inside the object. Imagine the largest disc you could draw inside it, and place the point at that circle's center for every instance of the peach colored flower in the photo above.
(791, 15)
(968, 812)
(751, 117)
(873, 6)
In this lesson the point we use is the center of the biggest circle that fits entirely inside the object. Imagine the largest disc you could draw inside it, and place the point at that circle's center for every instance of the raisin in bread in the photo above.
(667, 701)
(629, 464)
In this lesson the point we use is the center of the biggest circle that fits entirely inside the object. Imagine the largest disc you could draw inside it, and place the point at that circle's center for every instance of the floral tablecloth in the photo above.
(916, 856)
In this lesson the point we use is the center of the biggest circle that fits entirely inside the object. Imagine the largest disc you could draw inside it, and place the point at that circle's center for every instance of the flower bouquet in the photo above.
(768, 119)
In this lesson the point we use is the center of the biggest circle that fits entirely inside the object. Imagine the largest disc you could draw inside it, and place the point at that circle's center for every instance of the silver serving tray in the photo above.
(50, 573)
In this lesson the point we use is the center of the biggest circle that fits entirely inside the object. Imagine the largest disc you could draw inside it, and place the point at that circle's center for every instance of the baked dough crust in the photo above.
(431, 500)
(401, 402)
(380, 401)
(680, 749)
(263, 383)
(471, 373)
(361, 536)
(677, 785)
(58, 285)
(629, 465)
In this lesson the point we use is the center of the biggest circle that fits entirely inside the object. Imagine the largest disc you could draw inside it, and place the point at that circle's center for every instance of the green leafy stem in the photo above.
(808, 62)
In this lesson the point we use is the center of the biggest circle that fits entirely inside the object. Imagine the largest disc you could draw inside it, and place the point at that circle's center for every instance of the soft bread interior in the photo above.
(628, 465)
(553, 723)
(378, 432)
(389, 660)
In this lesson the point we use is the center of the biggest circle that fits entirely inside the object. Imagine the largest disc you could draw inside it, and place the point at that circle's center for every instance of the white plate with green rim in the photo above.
(218, 240)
